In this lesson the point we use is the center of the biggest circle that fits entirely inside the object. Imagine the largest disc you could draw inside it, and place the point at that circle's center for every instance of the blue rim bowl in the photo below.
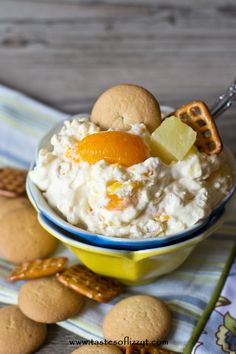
(41, 204)
(66, 234)
(81, 235)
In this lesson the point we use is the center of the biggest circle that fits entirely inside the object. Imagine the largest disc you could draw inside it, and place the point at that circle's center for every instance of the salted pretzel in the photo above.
(147, 349)
(198, 117)
(90, 284)
(38, 268)
(12, 182)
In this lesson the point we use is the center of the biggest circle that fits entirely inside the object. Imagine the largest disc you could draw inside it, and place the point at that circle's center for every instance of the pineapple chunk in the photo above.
(172, 140)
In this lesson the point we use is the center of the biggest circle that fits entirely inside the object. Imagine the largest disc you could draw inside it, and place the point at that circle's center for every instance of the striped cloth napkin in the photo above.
(193, 292)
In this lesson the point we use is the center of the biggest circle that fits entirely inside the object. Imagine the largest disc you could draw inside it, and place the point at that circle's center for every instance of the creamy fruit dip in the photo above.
(145, 200)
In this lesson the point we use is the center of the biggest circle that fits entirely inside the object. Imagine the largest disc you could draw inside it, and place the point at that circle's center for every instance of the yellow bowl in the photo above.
(131, 267)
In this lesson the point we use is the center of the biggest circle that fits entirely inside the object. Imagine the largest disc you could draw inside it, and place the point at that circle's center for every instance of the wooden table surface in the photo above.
(66, 52)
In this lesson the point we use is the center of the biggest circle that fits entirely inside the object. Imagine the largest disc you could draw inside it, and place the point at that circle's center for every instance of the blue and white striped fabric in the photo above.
(188, 290)
(23, 122)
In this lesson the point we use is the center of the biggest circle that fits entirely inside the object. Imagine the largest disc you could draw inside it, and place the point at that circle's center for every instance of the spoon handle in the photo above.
(224, 101)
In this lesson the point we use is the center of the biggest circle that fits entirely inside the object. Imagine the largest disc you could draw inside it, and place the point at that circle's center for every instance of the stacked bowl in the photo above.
(132, 261)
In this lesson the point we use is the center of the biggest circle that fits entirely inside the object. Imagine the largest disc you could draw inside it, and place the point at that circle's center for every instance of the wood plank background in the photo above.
(66, 52)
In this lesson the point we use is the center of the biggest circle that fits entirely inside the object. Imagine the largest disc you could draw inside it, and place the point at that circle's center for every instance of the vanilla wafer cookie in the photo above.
(22, 239)
(198, 117)
(18, 333)
(147, 349)
(46, 300)
(12, 182)
(123, 105)
(141, 317)
(92, 285)
(8, 205)
(97, 349)
(38, 268)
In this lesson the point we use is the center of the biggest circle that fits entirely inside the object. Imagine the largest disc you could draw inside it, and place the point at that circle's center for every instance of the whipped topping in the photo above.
(161, 199)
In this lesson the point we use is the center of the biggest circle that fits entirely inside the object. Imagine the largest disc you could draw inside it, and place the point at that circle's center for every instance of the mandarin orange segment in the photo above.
(115, 186)
(115, 201)
(162, 217)
(113, 146)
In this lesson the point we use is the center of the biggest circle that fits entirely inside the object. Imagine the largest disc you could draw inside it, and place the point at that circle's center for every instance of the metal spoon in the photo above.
(224, 101)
